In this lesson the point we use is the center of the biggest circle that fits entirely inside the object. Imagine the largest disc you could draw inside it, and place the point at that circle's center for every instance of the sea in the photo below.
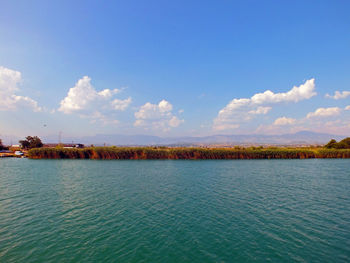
(174, 210)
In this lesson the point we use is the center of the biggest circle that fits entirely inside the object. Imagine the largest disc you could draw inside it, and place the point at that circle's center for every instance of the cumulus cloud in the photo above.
(324, 112)
(83, 96)
(339, 95)
(9, 86)
(121, 104)
(157, 116)
(304, 91)
(242, 110)
(175, 121)
(284, 121)
(347, 107)
(260, 110)
(85, 100)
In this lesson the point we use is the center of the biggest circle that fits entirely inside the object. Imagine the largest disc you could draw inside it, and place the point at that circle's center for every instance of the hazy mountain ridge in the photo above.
(303, 137)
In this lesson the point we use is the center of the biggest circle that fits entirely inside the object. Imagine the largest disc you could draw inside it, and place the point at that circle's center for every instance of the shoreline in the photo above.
(164, 153)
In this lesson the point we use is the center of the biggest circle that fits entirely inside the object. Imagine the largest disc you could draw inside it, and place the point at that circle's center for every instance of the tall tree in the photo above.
(31, 142)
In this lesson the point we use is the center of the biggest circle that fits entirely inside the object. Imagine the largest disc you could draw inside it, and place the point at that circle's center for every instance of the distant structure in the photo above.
(15, 147)
(64, 145)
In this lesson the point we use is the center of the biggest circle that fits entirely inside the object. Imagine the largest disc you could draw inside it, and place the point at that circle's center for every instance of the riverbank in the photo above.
(10, 155)
(143, 153)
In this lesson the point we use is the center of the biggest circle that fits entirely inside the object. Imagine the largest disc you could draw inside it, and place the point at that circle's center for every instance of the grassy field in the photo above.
(140, 153)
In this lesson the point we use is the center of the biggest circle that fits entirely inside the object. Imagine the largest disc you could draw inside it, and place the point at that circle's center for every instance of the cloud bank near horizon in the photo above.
(318, 120)
(239, 111)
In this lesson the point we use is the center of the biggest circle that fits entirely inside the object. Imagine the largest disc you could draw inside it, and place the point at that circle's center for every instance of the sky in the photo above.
(174, 68)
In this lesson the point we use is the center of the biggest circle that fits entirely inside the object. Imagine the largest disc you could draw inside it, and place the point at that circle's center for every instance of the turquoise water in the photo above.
(174, 211)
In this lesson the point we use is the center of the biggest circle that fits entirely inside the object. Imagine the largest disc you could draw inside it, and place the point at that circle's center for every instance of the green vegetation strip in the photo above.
(109, 153)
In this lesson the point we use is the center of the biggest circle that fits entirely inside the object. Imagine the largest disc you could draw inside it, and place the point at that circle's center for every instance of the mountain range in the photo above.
(299, 138)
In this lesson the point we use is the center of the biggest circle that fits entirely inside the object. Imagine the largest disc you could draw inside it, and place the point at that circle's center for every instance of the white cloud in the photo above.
(175, 121)
(85, 100)
(154, 111)
(242, 110)
(284, 121)
(157, 116)
(324, 112)
(260, 110)
(165, 106)
(9, 82)
(329, 120)
(83, 96)
(339, 95)
(304, 91)
(121, 104)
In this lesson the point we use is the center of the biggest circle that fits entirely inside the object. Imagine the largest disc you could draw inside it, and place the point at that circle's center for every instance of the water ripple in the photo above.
(174, 211)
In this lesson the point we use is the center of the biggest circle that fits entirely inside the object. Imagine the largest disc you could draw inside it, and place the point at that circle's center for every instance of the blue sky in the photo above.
(174, 68)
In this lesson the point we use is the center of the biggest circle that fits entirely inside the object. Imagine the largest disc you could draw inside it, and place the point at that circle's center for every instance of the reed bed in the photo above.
(142, 153)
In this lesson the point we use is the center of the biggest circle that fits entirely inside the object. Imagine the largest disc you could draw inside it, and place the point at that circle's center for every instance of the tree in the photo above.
(331, 144)
(343, 144)
(1, 145)
(31, 142)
